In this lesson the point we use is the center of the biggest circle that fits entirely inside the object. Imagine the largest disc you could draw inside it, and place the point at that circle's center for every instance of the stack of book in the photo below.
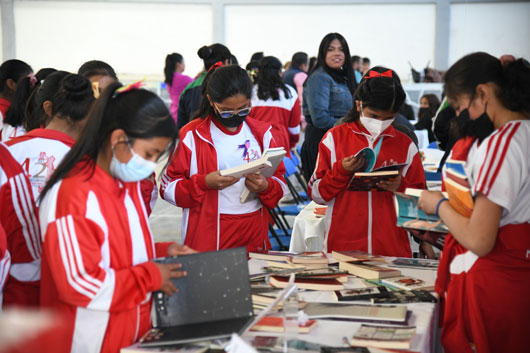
(305, 261)
(363, 265)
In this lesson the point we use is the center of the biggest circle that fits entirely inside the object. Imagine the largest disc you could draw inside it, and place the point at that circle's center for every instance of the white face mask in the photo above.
(374, 126)
(136, 169)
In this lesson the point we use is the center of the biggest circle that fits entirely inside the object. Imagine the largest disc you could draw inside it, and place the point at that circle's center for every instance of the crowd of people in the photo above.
(77, 180)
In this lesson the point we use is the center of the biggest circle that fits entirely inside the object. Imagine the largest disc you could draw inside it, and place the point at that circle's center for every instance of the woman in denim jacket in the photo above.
(327, 95)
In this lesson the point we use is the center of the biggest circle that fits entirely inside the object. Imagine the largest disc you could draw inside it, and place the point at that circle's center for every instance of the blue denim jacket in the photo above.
(325, 100)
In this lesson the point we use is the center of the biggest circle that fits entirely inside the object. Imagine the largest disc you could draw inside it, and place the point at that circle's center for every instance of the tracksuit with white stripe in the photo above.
(363, 220)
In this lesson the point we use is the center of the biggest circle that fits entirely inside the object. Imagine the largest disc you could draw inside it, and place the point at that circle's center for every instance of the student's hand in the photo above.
(179, 249)
(216, 181)
(256, 182)
(426, 249)
(428, 201)
(168, 271)
(390, 184)
(353, 164)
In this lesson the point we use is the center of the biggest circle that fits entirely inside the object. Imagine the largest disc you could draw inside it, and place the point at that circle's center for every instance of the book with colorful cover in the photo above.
(367, 181)
(360, 293)
(414, 263)
(405, 297)
(409, 216)
(275, 324)
(408, 283)
(460, 196)
(383, 336)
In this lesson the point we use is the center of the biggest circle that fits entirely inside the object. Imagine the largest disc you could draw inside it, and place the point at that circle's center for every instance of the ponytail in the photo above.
(269, 80)
(73, 98)
(140, 113)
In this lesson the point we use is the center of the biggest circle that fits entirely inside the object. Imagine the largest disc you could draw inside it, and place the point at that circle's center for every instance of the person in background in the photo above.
(223, 136)
(99, 73)
(356, 62)
(233, 60)
(327, 94)
(365, 66)
(175, 80)
(97, 267)
(15, 115)
(312, 63)
(296, 76)
(276, 103)
(19, 220)
(484, 271)
(429, 104)
(41, 150)
(372, 227)
(11, 71)
(190, 98)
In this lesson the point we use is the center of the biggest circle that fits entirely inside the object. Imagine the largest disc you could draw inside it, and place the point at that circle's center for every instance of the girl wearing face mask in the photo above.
(223, 136)
(97, 249)
(429, 105)
(484, 271)
(360, 220)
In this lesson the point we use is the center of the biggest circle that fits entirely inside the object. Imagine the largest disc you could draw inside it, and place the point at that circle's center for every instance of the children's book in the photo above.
(408, 283)
(360, 293)
(275, 324)
(368, 271)
(406, 296)
(274, 156)
(383, 336)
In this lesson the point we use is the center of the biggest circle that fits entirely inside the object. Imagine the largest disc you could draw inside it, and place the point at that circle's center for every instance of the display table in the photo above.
(331, 332)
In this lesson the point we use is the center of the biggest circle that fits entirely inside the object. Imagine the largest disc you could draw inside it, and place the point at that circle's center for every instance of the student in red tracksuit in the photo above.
(19, 218)
(222, 136)
(276, 103)
(5, 262)
(361, 220)
(97, 246)
(485, 268)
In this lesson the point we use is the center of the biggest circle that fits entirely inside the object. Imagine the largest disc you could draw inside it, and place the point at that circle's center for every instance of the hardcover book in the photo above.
(360, 293)
(383, 337)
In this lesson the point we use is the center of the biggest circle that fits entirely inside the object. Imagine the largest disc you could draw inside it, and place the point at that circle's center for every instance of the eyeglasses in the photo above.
(226, 114)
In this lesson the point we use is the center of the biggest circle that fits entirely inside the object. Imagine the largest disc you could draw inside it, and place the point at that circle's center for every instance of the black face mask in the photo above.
(233, 121)
(481, 127)
(423, 112)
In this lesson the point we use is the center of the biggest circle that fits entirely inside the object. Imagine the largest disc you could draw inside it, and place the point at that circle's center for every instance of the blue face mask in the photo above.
(136, 169)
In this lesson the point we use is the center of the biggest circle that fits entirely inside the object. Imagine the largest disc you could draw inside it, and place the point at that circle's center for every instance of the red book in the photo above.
(314, 284)
(275, 324)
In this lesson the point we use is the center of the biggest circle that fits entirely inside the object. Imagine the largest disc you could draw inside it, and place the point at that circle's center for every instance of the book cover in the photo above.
(389, 313)
(459, 197)
(275, 324)
(240, 171)
(408, 283)
(414, 263)
(406, 296)
(272, 155)
(384, 336)
(360, 293)
(409, 216)
(355, 255)
(313, 284)
(368, 271)
(436, 239)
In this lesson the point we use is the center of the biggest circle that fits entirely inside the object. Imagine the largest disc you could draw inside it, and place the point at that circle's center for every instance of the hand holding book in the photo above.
(354, 163)
(256, 182)
(216, 181)
(391, 185)
(428, 201)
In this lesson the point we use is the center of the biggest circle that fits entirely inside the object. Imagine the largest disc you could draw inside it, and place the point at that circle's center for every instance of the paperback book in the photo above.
(275, 324)
(368, 271)
(384, 337)
(389, 313)
(408, 283)
(355, 256)
(406, 296)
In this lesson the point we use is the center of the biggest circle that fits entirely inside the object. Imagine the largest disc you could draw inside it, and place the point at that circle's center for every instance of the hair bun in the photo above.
(204, 52)
(76, 87)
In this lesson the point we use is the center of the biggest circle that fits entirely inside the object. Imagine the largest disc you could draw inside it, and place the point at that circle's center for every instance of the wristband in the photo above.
(438, 206)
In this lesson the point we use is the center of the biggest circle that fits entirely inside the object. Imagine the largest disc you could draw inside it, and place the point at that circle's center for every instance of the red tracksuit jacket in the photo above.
(361, 220)
(19, 219)
(96, 266)
(183, 183)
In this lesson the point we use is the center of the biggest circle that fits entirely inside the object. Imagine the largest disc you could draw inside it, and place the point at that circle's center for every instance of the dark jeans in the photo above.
(309, 152)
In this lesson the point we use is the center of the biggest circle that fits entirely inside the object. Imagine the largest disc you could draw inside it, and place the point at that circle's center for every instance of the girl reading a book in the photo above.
(366, 220)
(485, 268)
(97, 251)
(223, 136)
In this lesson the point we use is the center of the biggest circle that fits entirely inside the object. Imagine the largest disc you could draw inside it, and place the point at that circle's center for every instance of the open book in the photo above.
(266, 166)
(367, 181)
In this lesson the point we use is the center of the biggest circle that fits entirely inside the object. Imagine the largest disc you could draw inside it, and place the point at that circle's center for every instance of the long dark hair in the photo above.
(269, 80)
(96, 67)
(434, 104)
(512, 79)
(35, 116)
(13, 69)
(140, 113)
(222, 83)
(171, 61)
(343, 75)
(381, 93)
(25, 87)
(212, 54)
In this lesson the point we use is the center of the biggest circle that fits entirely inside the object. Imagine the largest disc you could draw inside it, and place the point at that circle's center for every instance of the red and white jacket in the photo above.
(361, 220)
(282, 114)
(5, 261)
(183, 182)
(96, 261)
(473, 286)
(19, 219)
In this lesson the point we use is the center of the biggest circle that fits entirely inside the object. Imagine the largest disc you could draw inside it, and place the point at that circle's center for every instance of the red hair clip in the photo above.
(216, 66)
(374, 73)
(129, 87)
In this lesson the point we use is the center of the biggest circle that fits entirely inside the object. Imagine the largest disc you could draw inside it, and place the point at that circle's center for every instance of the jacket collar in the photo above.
(359, 129)
(52, 135)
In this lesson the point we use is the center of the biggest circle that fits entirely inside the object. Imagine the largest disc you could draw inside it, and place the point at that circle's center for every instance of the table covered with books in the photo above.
(334, 331)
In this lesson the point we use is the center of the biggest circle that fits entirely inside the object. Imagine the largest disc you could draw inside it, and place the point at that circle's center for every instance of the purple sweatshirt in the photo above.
(180, 82)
